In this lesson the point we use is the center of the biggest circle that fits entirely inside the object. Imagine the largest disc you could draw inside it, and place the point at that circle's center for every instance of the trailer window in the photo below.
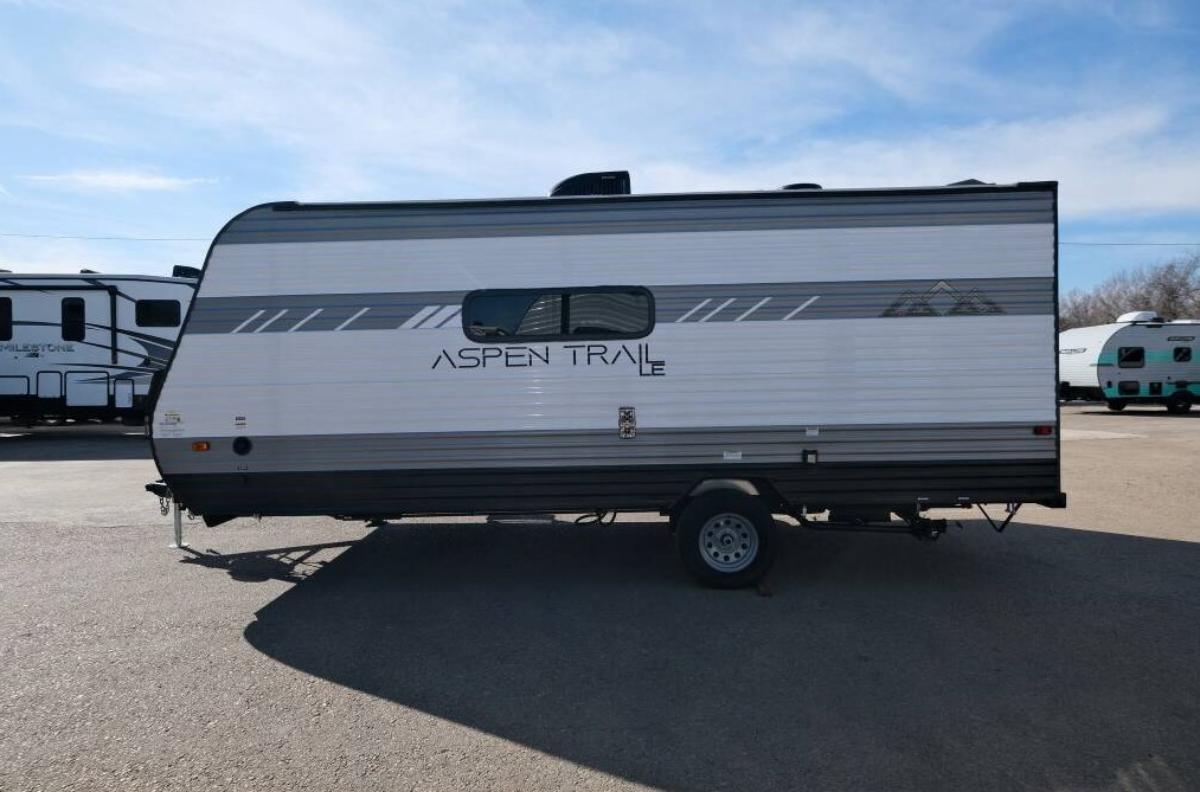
(605, 312)
(74, 319)
(1131, 357)
(6, 319)
(157, 313)
(1182, 354)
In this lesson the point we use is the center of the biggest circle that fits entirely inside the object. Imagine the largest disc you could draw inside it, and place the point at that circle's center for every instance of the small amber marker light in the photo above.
(201, 445)
(1043, 430)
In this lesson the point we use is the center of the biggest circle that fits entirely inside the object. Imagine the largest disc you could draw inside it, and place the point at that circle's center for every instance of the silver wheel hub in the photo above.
(728, 542)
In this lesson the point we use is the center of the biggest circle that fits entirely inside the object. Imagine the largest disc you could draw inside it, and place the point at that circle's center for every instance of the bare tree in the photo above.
(1171, 289)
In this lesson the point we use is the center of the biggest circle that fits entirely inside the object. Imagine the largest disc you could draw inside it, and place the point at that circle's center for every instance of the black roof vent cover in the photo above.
(180, 271)
(802, 186)
(603, 183)
(967, 183)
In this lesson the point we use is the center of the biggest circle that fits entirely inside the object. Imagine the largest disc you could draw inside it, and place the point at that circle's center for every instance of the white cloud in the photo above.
(909, 52)
(432, 99)
(1125, 159)
(115, 181)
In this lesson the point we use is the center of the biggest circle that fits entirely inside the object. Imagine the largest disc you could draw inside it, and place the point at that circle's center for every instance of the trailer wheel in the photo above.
(1179, 403)
(725, 539)
(1116, 405)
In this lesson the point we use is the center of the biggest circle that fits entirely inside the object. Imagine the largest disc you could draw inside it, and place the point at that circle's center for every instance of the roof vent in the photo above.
(967, 183)
(802, 186)
(180, 271)
(602, 183)
(1140, 316)
(88, 272)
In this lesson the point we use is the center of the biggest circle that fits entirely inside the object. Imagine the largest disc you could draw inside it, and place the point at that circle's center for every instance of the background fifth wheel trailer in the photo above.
(86, 346)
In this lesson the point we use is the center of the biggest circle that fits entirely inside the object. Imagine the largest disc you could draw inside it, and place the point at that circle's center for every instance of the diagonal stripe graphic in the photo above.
(253, 316)
(454, 315)
(718, 309)
(803, 305)
(695, 308)
(754, 308)
(360, 312)
(442, 314)
(418, 317)
(305, 320)
(268, 323)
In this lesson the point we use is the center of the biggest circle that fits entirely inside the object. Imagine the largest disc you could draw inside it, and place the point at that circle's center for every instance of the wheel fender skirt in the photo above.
(1059, 501)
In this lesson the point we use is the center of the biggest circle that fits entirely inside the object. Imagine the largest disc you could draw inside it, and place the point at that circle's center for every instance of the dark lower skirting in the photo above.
(382, 493)
(32, 407)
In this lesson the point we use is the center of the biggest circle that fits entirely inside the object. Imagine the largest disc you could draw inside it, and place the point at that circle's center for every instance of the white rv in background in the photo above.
(717, 357)
(86, 346)
(1138, 359)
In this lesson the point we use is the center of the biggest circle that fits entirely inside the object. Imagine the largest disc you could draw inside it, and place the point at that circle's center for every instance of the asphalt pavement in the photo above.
(1062, 655)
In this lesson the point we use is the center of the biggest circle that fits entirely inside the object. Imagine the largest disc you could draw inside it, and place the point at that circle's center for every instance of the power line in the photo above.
(1134, 244)
(209, 239)
(106, 238)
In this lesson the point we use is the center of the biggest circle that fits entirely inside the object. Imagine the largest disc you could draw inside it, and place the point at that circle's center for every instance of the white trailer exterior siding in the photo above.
(902, 339)
(1079, 352)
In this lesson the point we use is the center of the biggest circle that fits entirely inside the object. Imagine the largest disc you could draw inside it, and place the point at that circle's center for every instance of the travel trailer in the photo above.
(86, 346)
(865, 354)
(1138, 359)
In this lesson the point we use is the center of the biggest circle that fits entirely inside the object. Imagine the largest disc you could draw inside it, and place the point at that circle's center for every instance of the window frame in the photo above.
(6, 319)
(62, 325)
(1178, 359)
(565, 293)
(137, 307)
(1120, 354)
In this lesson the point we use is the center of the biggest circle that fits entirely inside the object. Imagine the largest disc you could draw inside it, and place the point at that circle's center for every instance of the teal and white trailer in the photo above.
(1139, 359)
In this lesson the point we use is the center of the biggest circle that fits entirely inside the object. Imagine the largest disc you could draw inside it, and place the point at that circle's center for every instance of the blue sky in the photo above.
(151, 119)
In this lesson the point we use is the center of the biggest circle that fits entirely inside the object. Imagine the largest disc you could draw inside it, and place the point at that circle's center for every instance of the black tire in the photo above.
(1116, 405)
(735, 522)
(1179, 404)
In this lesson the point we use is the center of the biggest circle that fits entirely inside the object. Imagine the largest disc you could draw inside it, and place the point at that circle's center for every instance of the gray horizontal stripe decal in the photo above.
(814, 210)
(752, 445)
(726, 303)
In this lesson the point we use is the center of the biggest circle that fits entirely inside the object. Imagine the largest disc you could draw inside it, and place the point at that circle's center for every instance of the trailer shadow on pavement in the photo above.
(1046, 657)
(1144, 412)
(71, 442)
(288, 564)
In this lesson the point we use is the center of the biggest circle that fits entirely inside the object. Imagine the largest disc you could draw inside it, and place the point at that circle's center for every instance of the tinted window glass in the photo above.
(158, 313)
(558, 314)
(73, 319)
(1183, 354)
(6, 319)
(505, 314)
(609, 313)
(1131, 357)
